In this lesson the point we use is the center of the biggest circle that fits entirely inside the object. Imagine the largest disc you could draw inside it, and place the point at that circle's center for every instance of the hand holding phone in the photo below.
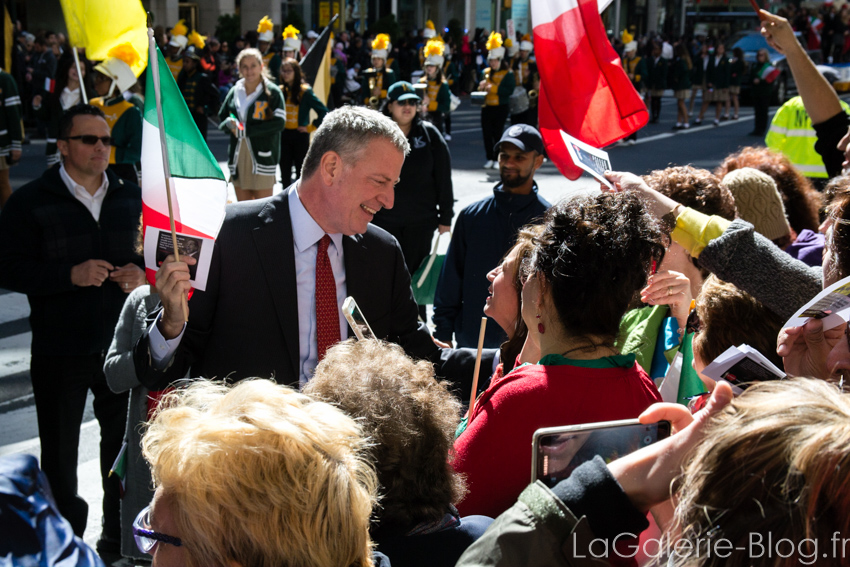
(356, 320)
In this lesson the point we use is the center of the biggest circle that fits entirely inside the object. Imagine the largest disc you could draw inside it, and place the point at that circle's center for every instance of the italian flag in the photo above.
(769, 73)
(197, 184)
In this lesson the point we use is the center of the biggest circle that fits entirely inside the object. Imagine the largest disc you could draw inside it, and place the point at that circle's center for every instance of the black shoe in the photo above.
(698, 121)
(109, 550)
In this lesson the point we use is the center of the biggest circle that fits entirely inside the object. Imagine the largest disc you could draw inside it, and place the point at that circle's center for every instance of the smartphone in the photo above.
(557, 451)
(356, 320)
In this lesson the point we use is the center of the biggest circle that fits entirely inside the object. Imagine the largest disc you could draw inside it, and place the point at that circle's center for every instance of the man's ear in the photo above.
(62, 146)
(538, 161)
(330, 167)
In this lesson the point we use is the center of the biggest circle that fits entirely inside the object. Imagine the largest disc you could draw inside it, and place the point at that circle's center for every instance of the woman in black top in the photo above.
(423, 195)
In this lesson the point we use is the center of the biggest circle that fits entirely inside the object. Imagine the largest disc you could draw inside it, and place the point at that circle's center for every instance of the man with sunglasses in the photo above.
(68, 241)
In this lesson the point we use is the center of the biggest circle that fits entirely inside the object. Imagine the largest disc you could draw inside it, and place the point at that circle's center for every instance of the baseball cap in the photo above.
(312, 35)
(402, 90)
(523, 136)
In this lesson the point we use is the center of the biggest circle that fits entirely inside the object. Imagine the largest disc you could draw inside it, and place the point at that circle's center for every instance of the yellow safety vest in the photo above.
(791, 133)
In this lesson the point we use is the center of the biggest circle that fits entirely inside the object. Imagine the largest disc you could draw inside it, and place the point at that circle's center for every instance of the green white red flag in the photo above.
(176, 151)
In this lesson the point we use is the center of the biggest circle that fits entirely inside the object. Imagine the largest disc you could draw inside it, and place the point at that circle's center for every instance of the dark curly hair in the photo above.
(696, 188)
(594, 253)
(802, 201)
(410, 417)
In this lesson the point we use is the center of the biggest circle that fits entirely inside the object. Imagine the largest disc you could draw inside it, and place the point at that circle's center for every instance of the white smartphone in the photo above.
(356, 320)
(557, 451)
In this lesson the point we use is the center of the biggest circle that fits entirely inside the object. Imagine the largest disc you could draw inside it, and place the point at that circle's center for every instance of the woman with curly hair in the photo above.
(591, 257)
(411, 419)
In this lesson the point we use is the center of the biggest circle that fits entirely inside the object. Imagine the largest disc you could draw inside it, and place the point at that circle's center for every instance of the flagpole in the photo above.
(153, 67)
(79, 75)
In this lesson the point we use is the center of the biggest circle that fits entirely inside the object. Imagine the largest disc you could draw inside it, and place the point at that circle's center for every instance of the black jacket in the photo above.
(423, 194)
(44, 232)
(245, 323)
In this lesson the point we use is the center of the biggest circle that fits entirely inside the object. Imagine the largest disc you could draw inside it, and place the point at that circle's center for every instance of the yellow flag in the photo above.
(100, 25)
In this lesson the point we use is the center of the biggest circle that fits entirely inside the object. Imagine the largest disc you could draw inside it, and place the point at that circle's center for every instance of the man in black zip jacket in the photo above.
(67, 240)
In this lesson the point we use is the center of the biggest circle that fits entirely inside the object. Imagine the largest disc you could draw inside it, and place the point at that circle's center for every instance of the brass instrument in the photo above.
(533, 94)
(372, 76)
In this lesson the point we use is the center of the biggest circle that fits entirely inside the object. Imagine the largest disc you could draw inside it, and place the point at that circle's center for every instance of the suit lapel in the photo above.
(276, 249)
(355, 258)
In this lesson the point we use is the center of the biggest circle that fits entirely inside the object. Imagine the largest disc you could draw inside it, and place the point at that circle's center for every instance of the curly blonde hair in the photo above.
(262, 475)
(410, 417)
(775, 461)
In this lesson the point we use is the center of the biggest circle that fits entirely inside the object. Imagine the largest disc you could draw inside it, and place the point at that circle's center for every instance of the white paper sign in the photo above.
(592, 160)
(158, 245)
(832, 306)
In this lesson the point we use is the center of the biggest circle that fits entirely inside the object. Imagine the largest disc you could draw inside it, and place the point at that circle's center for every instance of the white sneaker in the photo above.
(447, 137)
(685, 126)
(488, 164)
(495, 165)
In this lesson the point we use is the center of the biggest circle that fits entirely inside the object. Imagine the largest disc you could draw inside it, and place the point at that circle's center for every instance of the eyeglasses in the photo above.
(91, 139)
(146, 538)
(407, 102)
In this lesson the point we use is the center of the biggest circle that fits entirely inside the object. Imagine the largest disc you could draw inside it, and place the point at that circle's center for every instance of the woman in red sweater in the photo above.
(593, 255)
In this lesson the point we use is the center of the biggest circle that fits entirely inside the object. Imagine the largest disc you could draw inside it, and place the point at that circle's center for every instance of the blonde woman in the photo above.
(254, 113)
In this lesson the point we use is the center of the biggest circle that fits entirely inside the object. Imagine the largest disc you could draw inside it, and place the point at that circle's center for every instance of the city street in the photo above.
(658, 146)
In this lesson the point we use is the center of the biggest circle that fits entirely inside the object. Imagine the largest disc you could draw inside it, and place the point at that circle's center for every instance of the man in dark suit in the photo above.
(258, 314)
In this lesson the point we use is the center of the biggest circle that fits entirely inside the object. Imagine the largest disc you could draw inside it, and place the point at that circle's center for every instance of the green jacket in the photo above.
(698, 71)
(719, 74)
(680, 75)
(737, 71)
(125, 122)
(263, 125)
(309, 101)
(657, 71)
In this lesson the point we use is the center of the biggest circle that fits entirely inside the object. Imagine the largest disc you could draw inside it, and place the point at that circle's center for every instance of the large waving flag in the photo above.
(197, 184)
(583, 88)
(100, 25)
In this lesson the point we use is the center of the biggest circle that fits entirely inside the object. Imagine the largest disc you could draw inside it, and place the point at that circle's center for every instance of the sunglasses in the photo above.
(146, 538)
(407, 102)
(91, 139)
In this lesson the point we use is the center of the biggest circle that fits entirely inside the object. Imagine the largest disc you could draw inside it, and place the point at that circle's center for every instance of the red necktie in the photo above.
(327, 310)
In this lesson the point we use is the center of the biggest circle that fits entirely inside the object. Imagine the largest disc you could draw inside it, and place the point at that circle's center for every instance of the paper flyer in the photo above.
(832, 305)
(594, 161)
(158, 245)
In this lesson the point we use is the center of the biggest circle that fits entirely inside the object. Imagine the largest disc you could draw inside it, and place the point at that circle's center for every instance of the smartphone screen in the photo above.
(558, 454)
(356, 320)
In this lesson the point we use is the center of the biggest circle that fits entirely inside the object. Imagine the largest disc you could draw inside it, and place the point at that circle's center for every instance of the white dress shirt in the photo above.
(306, 234)
(92, 202)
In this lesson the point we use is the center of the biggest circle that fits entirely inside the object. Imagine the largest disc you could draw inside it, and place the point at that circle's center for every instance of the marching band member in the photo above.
(295, 138)
(271, 60)
(176, 45)
(438, 98)
(499, 83)
(378, 79)
(112, 78)
(291, 43)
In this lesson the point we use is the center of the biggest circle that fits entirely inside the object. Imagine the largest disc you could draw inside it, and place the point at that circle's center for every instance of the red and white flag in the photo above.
(584, 90)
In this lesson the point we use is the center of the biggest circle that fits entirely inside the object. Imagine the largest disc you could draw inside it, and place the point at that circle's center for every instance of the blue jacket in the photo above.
(483, 234)
(33, 531)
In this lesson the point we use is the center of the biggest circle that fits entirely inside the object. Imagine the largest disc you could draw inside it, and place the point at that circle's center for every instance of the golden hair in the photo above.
(730, 316)
(775, 461)
(262, 475)
(409, 416)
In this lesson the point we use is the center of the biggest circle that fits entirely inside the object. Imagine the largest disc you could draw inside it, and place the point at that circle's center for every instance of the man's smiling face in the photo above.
(366, 186)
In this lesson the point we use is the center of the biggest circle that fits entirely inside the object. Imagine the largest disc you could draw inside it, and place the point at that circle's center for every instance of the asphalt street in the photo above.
(658, 146)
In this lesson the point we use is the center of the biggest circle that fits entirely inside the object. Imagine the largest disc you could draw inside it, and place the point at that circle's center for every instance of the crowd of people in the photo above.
(257, 430)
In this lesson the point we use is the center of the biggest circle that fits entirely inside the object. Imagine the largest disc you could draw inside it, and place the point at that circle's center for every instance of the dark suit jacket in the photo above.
(245, 323)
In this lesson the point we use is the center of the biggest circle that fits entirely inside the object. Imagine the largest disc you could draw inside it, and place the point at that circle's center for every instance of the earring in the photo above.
(540, 328)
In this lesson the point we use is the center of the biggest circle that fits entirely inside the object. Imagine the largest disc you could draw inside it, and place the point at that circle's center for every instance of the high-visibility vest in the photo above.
(791, 133)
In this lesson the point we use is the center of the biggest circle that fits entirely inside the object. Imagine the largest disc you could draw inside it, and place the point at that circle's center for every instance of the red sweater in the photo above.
(494, 452)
